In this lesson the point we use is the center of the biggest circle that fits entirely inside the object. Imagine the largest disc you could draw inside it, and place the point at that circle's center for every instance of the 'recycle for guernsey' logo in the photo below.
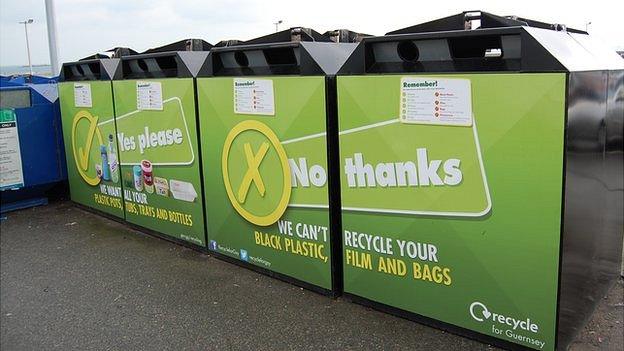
(82, 144)
(522, 330)
(256, 173)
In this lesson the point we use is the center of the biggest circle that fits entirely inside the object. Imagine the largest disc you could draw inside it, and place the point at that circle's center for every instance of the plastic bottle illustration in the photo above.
(138, 178)
(112, 160)
(105, 167)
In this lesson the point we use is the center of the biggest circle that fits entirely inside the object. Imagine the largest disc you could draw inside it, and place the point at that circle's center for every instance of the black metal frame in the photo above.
(590, 249)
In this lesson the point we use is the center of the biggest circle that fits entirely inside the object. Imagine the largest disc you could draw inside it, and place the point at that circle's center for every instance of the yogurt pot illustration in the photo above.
(162, 186)
(148, 179)
(138, 178)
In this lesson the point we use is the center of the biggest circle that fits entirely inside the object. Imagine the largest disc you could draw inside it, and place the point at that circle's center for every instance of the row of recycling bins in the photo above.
(424, 174)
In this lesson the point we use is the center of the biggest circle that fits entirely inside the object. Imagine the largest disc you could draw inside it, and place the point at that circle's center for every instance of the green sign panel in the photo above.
(157, 133)
(451, 193)
(91, 145)
(264, 155)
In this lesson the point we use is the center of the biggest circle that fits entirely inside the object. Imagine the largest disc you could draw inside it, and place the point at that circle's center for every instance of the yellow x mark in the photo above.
(252, 174)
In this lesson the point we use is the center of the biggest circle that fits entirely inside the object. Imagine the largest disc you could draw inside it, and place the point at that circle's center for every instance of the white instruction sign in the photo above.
(254, 97)
(438, 101)
(11, 174)
(149, 96)
(82, 95)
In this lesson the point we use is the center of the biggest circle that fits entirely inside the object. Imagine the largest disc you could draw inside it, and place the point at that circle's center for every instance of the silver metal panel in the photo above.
(193, 60)
(577, 52)
(605, 57)
(592, 219)
(614, 155)
(329, 56)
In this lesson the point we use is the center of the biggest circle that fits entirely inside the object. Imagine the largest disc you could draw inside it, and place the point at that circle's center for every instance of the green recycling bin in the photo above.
(158, 140)
(266, 109)
(481, 177)
(90, 136)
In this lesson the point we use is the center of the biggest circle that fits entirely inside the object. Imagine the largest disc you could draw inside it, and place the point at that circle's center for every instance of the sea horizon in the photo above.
(44, 70)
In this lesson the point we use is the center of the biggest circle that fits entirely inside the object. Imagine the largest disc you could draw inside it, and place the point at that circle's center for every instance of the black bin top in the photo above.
(228, 42)
(90, 70)
(181, 59)
(345, 36)
(295, 51)
(499, 43)
(99, 66)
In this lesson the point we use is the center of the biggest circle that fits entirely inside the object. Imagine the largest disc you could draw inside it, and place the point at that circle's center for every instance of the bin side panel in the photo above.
(85, 130)
(449, 251)
(156, 123)
(265, 175)
(592, 221)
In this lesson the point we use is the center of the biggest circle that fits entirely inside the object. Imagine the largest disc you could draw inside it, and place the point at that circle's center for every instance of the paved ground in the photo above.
(71, 280)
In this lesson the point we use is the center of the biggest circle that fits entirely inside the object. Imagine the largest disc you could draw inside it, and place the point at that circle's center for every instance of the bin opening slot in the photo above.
(256, 61)
(408, 51)
(151, 67)
(444, 54)
(280, 56)
(82, 71)
(241, 58)
(476, 47)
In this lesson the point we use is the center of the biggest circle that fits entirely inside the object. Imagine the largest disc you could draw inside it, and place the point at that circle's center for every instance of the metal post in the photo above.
(26, 23)
(51, 23)
(277, 25)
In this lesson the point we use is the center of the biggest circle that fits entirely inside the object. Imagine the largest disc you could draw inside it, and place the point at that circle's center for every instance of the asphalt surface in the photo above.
(72, 280)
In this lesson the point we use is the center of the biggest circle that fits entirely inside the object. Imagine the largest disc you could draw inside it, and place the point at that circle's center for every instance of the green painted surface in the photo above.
(499, 262)
(166, 138)
(85, 131)
(295, 241)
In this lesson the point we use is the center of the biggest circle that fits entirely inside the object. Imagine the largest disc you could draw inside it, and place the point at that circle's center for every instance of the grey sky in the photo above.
(89, 26)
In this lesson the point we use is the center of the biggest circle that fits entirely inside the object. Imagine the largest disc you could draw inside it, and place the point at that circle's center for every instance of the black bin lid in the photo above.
(181, 59)
(294, 51)
(99, 66)
(90, 70)
(498, 44)
(345, 36)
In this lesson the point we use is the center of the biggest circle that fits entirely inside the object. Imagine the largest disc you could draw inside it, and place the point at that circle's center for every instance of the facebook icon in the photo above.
(243, 255)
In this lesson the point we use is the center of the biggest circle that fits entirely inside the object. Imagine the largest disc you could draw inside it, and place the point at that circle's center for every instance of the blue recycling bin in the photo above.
(32, 163)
